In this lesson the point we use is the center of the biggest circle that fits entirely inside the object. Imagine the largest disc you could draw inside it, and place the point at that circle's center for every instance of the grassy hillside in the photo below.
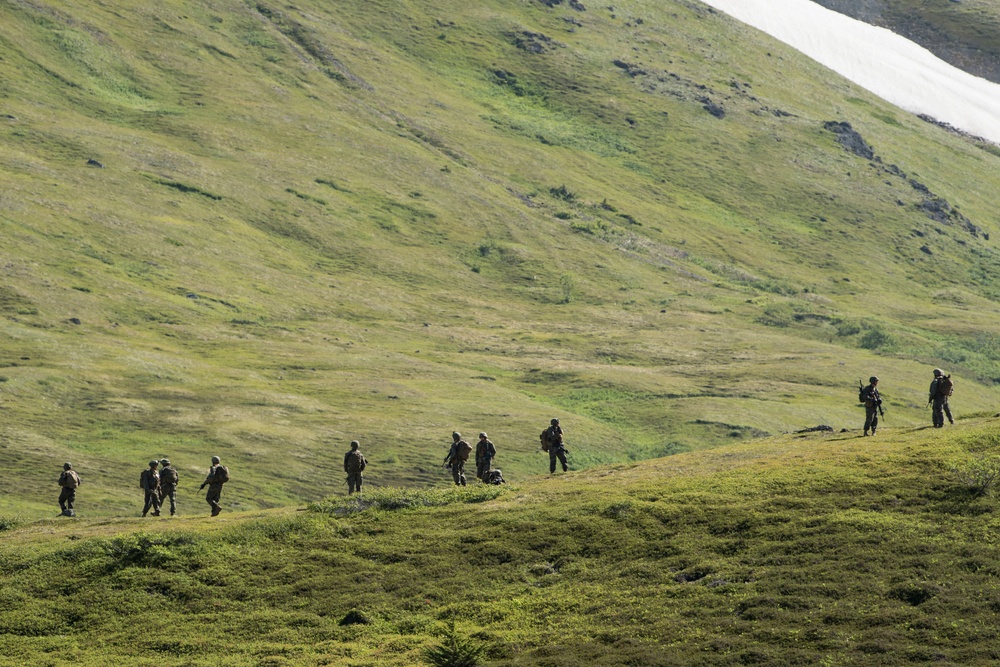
(261, 231)
(816, 550)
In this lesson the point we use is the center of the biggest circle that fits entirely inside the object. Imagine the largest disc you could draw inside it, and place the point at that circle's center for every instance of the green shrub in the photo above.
(453, 651)
(389, 499)
(979, 472)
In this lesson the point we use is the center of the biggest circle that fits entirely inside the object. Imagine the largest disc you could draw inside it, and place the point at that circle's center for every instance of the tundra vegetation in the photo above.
(262, 230)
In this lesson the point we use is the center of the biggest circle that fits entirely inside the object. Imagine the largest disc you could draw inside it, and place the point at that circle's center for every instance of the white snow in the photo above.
(892, 67)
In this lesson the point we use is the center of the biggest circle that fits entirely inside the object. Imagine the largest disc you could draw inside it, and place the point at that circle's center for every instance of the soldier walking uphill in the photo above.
(149, 482)
(941, 388)
(457, 456)
(485, 451)
(873, 404)
(69, 481)
(552, 442)
(168, 485)
(218, 475)
(354, 463)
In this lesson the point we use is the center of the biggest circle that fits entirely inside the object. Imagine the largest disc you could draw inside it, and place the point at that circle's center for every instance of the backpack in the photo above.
(861, 394)
(70, 479)
(169, 476)
(144, 479)
(494, 477)
(355, 462)
(221, 475)
(462, 450)
(946, 386)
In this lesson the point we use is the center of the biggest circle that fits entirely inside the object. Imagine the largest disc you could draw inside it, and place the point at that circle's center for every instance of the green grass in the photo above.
(386, 222)
(805, 549)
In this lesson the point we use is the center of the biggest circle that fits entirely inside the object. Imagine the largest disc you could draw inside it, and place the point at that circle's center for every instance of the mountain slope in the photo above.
(806, 549)
(963, 34)
(388, 221)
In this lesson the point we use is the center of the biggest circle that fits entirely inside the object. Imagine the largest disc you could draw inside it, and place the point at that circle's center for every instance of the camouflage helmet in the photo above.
(154, 463)
(482, 435)
(67, 466)
(456, 435)
(554, 421)
(164, 462)
(355, 444)
(873, 378)
(938, 372)
(216, 459)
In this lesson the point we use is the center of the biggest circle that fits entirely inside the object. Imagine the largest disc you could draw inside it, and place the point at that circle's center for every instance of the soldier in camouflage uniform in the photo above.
(354, 463)
(940, 390)
(870, 397)
(149, 482)
(553, 435)
(69, 481)
(168, 484)
(218, 475)
(457, 456)
(485, 451)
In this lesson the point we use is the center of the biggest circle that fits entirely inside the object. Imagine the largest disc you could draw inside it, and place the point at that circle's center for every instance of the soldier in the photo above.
(68, 480)
(941, 388)
(485, 451)
(149, 482)
(553, 437)
(354, 463)
(457, 456)
(870, 397)
(168, 484)
(218, 475)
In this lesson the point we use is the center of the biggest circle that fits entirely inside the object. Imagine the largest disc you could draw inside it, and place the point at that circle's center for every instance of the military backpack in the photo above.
(946, 386)
(221, 475)
(169, 476)
(462, 450)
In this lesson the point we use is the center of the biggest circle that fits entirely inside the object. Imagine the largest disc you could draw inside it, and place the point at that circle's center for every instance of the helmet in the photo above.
(456, 435)
(938, 371)
(154, 463)
(482, 435)
(164, 462)
(873, 379)
(355, 444)
(216, 459)
(554, 421)
(67, 466)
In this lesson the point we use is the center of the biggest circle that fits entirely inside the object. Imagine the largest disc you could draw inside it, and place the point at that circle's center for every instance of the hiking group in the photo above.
(159, 481)
(941, 389)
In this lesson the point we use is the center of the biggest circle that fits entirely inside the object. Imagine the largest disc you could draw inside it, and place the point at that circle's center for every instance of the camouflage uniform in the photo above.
(938, 398)
(557, 450)
(214, 482)
(485, 451)
(168, 485)
(68, 480)
(354, 463)
(149, 482)
(872, 401)
(455, 461)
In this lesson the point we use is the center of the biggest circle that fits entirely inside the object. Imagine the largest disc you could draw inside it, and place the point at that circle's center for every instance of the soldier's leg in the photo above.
(361, 479)
(147, 502)
(937, 414)
(173, 502)
(552, 461)
(456, 473)
(62, 499)
(947, 411)
(562, 459)
(869, 414)
(874, 420)
(213, 497)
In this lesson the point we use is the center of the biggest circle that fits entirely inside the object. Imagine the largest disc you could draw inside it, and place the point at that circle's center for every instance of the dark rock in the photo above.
(94, 163)
(713, 108)
(75, 320)
(850, 139)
